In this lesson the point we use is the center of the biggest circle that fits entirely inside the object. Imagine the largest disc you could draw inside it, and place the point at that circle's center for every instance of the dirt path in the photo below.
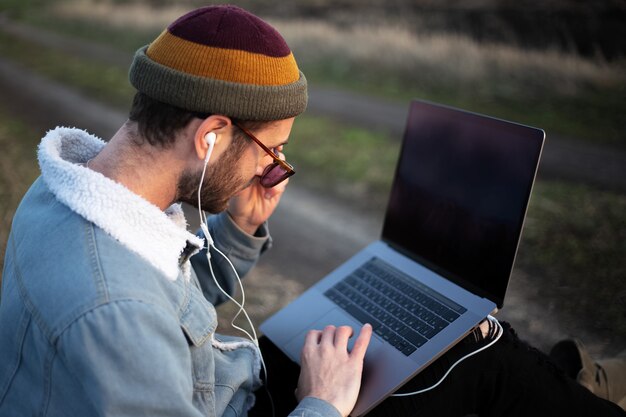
(563, 158)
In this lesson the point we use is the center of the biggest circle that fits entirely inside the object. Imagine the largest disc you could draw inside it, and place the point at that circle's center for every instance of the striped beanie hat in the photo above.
(222, 60)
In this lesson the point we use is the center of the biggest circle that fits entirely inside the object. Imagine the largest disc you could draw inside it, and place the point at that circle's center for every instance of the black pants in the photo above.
(508, 379)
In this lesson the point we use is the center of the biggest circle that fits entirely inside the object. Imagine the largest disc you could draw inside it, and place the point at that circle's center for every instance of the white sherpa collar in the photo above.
(158, 237)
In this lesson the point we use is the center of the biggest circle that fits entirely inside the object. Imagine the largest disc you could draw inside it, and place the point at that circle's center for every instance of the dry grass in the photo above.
(389, 48)
(137, 16)
(18, 169)
(439, 58)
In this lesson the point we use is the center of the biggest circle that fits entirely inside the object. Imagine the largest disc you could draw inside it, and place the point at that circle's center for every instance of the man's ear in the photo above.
(213, 128)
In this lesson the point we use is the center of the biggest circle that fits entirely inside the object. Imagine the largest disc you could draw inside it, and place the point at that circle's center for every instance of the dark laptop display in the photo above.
(454, 215)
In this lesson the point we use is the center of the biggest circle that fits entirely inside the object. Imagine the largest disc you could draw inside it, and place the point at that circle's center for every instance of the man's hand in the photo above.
(329, 372)
(255, 204)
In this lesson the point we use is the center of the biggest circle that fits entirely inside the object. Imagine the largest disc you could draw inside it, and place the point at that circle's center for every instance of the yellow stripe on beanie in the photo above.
(223, 64)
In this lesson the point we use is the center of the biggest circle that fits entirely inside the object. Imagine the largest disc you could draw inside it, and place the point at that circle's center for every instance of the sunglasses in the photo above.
(276, 172)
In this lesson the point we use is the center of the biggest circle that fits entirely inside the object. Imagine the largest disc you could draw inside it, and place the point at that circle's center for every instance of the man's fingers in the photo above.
(282, 186)
(328, 335)
(342, 335)
(276, 190)
(362, 341)
(312, 337)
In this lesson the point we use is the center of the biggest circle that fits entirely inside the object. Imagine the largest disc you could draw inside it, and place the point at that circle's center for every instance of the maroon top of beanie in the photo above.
(230, 27)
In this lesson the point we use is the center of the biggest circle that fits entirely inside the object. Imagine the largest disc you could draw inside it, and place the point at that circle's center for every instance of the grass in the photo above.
(343, 151)
(18, 169)
(108, 84)
(351, 162)
(574, 243)
(128, 38)
(560, 92)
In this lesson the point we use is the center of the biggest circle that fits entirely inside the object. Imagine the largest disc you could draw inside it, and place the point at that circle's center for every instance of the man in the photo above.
(102, 312)
(107, 300)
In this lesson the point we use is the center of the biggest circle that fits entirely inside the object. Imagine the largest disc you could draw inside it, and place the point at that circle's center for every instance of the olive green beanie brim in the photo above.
(213, 96)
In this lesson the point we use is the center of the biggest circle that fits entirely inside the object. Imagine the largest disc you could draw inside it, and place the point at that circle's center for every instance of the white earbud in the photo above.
(209, 138)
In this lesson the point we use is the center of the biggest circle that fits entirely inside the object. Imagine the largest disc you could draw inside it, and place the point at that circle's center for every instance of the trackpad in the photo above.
(335, 317)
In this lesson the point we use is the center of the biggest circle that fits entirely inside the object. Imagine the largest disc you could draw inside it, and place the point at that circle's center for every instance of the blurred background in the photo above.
(556, 64)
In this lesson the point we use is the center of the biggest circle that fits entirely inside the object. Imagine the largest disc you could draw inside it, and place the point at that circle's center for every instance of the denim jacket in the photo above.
(107, 306)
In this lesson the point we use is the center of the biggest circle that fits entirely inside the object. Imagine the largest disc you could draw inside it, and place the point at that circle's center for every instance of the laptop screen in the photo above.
(460, 194)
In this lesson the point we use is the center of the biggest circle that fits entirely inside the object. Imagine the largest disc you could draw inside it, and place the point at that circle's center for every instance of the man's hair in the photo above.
(159, 123)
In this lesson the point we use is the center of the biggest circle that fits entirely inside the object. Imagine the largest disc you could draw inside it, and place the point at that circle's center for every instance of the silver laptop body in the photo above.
(451, 232)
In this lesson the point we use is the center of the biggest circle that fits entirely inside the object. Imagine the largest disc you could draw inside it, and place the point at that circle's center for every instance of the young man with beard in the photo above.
(108, 302)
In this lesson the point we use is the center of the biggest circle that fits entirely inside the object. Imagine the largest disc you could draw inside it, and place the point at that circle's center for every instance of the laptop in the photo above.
(448, 245)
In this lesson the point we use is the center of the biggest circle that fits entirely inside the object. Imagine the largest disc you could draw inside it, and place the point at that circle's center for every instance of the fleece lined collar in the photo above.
(158, 237)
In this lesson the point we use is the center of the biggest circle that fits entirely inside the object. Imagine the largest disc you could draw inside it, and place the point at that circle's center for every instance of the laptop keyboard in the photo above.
(401, 310)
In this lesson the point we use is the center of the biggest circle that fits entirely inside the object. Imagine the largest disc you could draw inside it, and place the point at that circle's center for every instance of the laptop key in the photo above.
(362, 316)
(450, 315)
(427, 331)
(408, 349)
(337, 297)
(413, 337)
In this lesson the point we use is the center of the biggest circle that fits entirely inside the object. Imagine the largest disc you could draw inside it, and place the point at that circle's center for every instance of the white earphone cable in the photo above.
(204, 226)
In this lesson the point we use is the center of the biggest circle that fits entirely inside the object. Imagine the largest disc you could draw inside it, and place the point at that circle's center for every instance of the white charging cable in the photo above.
(495, 339)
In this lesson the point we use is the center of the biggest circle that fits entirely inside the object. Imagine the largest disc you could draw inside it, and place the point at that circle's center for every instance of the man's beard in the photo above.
(220, 183)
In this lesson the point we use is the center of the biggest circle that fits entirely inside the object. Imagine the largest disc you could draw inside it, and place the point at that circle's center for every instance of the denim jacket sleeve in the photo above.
(314, 407)
(241, 249)
(114, 358)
